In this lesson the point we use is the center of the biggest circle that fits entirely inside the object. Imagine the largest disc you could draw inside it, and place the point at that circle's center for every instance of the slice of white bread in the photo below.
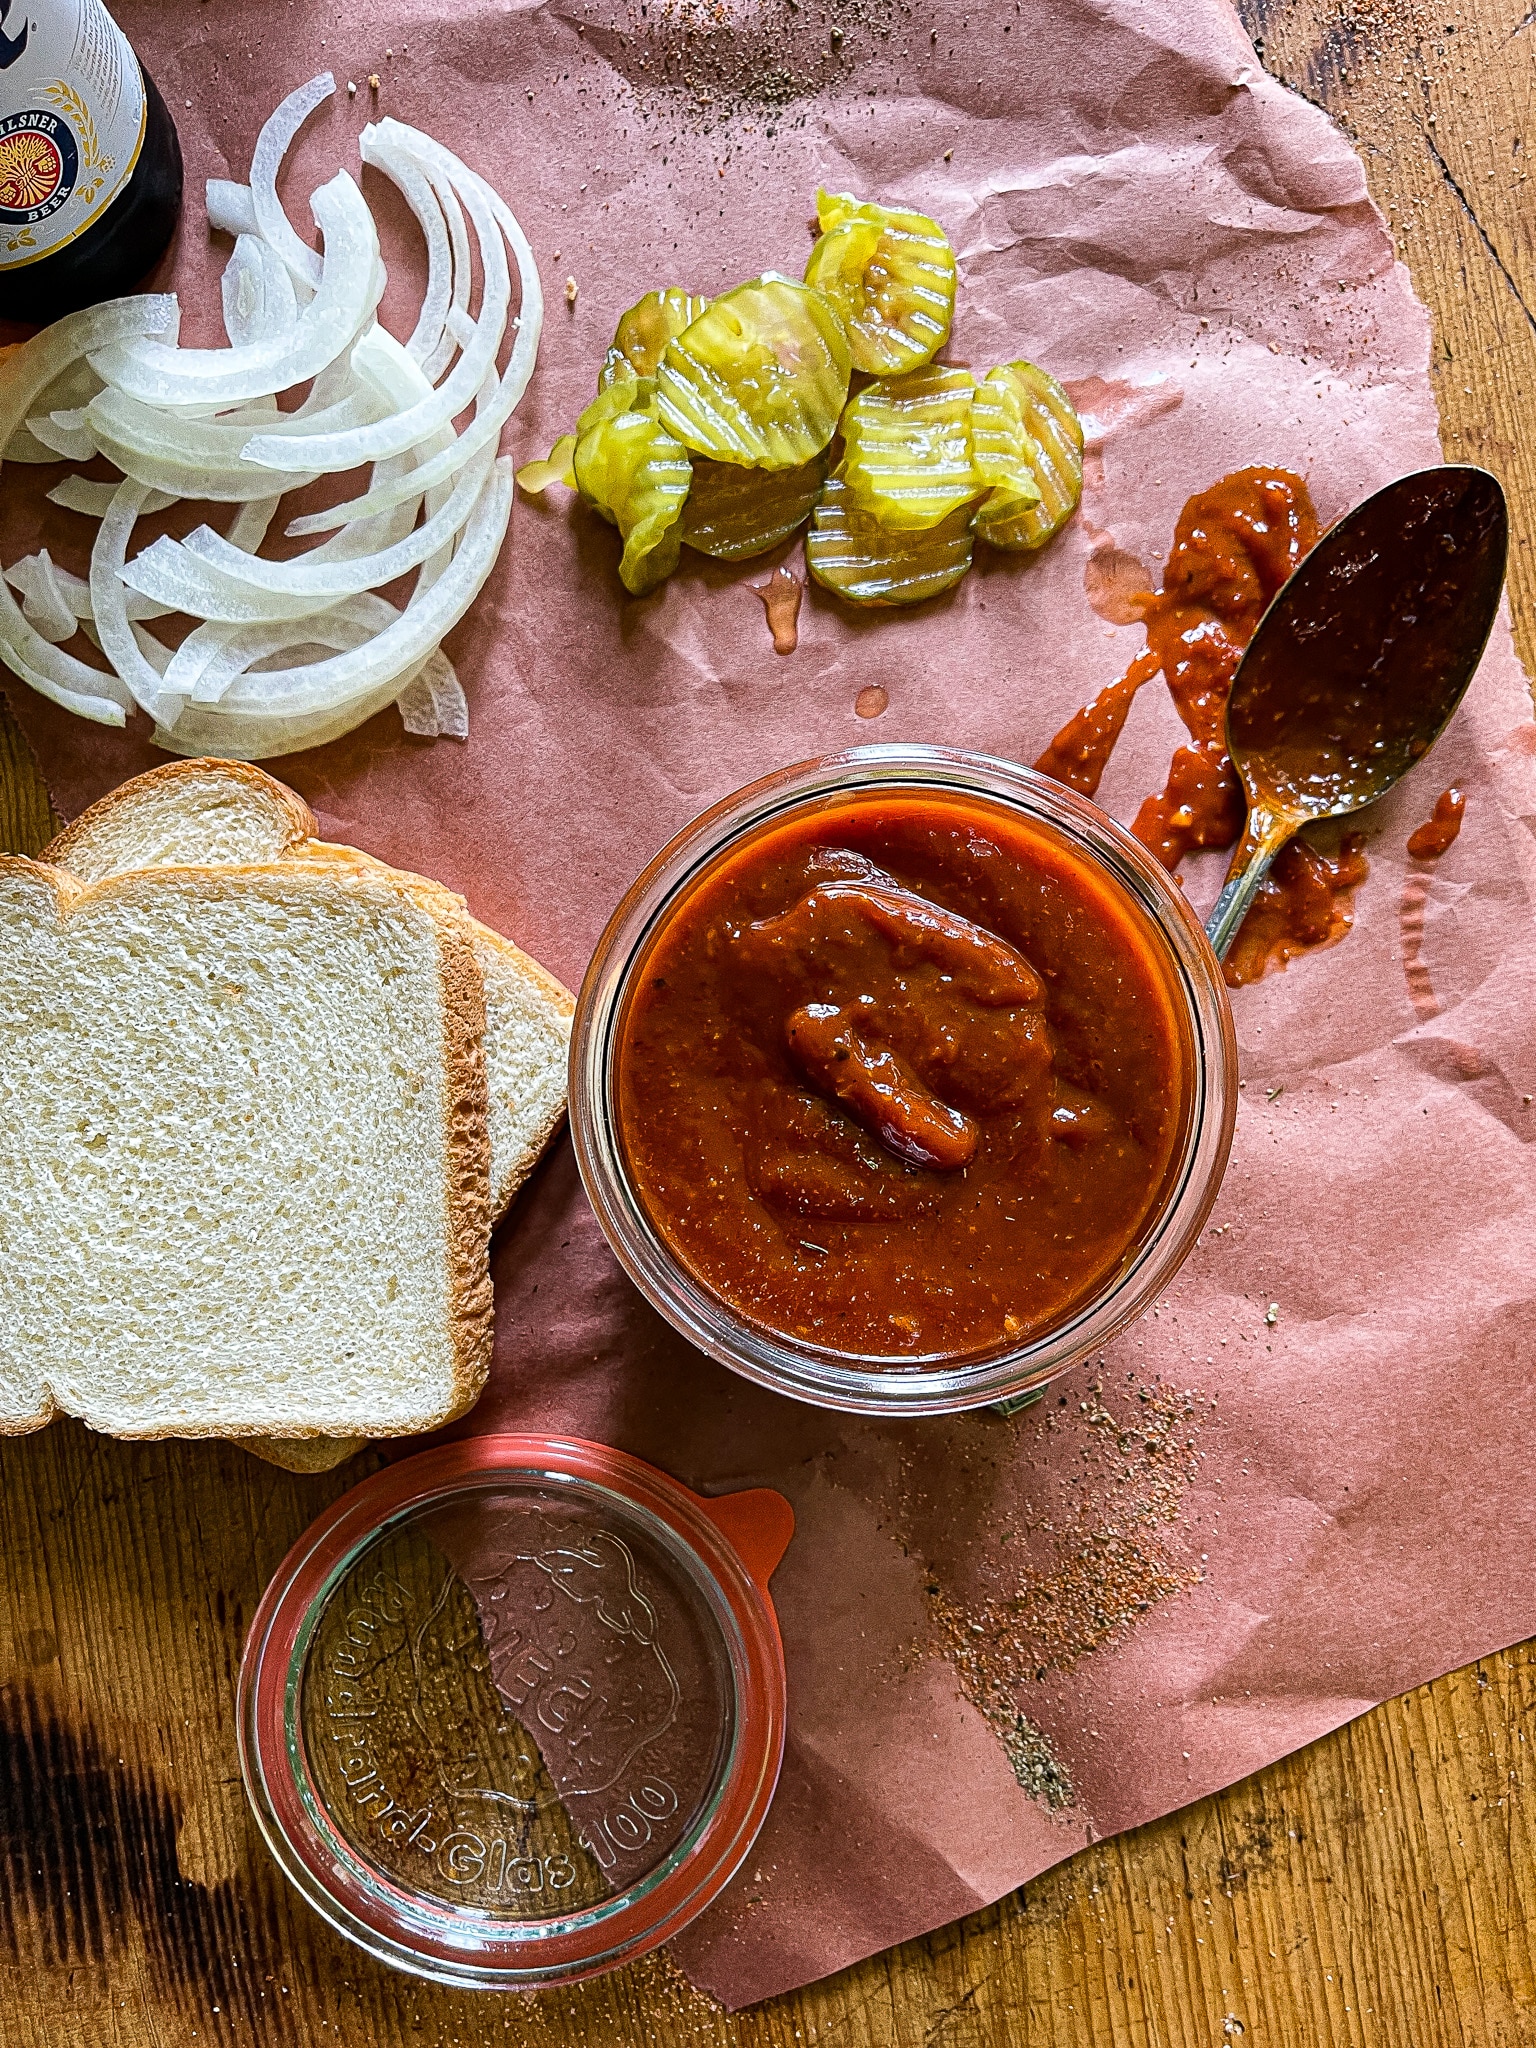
(211, 811)
(203, 812)
(244, 1164)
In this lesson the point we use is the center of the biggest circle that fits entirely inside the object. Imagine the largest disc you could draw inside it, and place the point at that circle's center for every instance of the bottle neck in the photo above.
(73, 112)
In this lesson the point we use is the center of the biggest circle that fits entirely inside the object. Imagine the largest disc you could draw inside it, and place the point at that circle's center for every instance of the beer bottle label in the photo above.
(72, 112)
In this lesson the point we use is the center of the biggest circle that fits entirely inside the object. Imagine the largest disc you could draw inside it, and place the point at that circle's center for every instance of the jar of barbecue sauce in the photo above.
(902, 1080)
(90, 167)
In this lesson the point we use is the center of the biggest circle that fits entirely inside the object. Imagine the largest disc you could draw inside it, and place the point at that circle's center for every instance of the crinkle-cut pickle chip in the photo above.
(1003, 450)
(632, 470)
(891, 275)
(907, 443)
(1007, 519)
(760, 377)
(630, 394)
(869, 563)
(644, 331)
(733, 513)
(554, 469)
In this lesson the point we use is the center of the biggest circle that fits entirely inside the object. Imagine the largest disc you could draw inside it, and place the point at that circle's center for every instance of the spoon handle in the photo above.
(1262, 840)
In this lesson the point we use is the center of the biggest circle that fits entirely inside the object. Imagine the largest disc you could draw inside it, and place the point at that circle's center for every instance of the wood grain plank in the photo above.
(27, 821)
(1379, 1889)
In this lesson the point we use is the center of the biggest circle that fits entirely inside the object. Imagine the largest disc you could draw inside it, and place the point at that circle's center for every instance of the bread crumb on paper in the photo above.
(571, 290)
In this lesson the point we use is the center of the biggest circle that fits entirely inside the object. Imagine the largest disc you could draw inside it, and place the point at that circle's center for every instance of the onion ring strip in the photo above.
(333, 452)
(343, 303)
(51, 672)
(277, 132)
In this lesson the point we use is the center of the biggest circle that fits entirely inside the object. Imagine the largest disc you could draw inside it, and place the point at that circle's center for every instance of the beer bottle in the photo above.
(90, 168)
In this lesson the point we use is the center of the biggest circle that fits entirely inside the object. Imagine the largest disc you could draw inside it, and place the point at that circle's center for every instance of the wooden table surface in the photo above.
(1378, 1888)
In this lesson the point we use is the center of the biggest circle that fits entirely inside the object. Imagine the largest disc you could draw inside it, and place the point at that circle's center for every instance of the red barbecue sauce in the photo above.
(903, 1077)
(1438, 832)
(1233, 547)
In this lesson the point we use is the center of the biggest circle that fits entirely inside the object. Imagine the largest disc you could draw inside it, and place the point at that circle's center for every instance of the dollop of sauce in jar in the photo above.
(1235, 544)
(903, 1077)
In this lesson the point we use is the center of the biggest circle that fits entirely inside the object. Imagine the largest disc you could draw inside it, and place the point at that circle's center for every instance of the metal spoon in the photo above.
(1359, 662)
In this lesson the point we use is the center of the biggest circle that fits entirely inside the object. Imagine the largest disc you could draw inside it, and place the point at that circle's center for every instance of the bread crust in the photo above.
(305, 1455)
(467, 1141)
(469, 1186)
(286, 803)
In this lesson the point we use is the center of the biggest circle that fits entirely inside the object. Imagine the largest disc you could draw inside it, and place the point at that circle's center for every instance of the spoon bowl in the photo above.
(1359, 662)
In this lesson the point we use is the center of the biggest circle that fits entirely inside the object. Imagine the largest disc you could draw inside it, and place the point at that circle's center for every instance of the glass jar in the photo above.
(1008, 1373)
(511, 1712)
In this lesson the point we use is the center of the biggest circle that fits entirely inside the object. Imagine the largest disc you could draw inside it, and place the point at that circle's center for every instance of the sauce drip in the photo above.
(1439, 832)
(781, 596)
(1234, 546)
(1080, 752)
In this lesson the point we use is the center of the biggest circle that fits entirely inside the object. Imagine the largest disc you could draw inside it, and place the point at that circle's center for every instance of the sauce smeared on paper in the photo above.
(1234, 545)
(1302, 902)
(1438, 833)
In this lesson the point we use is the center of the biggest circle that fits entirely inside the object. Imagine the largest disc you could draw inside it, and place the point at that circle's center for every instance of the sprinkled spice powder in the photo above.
(1093, 1551)
(719, 61)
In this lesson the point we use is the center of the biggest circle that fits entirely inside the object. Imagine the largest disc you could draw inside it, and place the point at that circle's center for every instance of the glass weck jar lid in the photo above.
(512, 1710)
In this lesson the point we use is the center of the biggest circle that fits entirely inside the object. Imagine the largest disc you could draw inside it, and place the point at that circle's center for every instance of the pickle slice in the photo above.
(908, 442)
(554, 469)
(644, 331)
(1008, 519)
(891, 276)
(638, 476)
(760, 377)
(1003, 449)
(733, 513)
(868, 563)
(629, 394)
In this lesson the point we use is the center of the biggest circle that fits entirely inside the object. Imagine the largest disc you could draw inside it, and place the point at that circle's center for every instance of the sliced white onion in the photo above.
(210, 659)
(344, 300)
(28, 374)
(281, 126)
(205, 576)
(157, 655)
(120, 643)
(44, 602)
(74, 592)
(24, 446)
(442, 274)
(333, 452)
(433, 706)
(403, 646)
(182, 457)
(82, 494)
(492, 413)
(230, 207)
(241, 736)
(393, 484)
(257, 293)
(65, 433)
(286, 654)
